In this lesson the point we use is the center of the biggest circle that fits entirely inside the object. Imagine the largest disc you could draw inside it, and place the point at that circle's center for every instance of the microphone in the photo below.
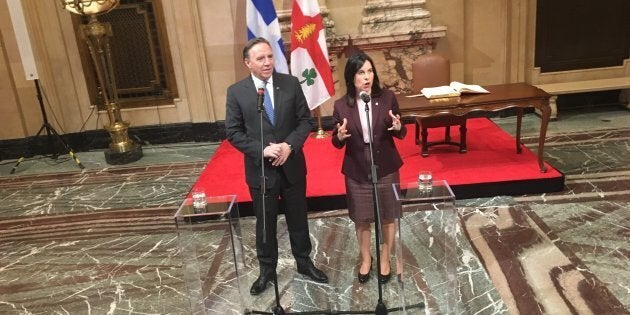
(260, 98)
(364, 96)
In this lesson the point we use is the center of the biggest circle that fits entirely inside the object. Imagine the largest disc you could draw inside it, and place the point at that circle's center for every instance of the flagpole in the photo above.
(320, 134)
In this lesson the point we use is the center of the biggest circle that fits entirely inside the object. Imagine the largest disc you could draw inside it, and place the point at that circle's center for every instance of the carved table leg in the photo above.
(545, 113)
(417, 138)
(519, 119)
(425, 142)
(462, 138)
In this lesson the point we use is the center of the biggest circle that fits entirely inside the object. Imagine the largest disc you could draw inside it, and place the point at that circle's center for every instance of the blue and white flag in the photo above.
(262, 21)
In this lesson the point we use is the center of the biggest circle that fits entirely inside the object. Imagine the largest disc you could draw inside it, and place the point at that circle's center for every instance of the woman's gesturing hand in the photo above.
(396, 125)
(342, 131)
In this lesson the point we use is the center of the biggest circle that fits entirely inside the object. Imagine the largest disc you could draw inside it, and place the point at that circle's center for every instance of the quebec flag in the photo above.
(262, 21)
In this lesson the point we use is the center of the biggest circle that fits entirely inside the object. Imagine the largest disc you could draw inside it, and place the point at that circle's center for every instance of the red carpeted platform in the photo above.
(491, 167)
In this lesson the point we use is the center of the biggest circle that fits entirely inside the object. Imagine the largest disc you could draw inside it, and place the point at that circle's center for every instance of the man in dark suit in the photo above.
(285, 127)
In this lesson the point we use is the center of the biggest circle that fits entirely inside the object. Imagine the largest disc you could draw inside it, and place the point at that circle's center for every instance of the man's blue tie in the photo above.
(268, 105)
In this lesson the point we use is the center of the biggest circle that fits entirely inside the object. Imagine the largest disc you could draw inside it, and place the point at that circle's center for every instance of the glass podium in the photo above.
(208, 234)
(427, 238)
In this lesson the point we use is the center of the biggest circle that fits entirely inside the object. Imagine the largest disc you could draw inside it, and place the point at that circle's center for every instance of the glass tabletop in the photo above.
(411, 193)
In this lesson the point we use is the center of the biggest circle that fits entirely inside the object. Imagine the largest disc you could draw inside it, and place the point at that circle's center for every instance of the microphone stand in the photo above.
(277, 310)
(381, 309)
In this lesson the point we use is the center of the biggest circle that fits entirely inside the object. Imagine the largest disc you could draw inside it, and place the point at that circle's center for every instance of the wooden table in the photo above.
(501, 96)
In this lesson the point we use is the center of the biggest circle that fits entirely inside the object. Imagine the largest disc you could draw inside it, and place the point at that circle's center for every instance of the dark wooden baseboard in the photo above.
(100, 139)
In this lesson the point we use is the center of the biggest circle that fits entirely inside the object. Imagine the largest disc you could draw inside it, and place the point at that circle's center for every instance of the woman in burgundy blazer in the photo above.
(352, 132)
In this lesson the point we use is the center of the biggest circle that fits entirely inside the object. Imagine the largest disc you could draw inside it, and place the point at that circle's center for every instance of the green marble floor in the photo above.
(102, 240)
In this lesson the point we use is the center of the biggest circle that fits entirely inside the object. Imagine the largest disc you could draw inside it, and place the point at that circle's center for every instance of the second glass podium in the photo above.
(428, 244)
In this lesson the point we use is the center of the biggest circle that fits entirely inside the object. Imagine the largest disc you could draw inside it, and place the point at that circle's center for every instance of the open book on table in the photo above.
(451, 90)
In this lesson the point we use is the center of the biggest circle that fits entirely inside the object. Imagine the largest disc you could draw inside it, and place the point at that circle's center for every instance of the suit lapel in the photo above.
(250, 91)
(376, 113)
(248, 86)
(355, 120)
(277, 98)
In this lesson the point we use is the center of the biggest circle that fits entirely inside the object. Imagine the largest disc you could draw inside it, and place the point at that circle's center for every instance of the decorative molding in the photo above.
(384, 16)
(538, 77)
(379, 41)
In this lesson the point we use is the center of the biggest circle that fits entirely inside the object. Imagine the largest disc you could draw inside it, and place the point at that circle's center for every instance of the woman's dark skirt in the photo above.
(360, 199)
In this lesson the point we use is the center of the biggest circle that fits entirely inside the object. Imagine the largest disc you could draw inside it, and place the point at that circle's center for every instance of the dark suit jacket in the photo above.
(293, 124)
(386, 155)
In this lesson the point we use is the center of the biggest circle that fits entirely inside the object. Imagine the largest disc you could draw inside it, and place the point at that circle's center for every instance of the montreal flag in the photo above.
(309, 54)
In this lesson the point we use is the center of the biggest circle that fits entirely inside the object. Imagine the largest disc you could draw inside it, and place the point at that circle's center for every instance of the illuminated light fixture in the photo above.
(89, 7)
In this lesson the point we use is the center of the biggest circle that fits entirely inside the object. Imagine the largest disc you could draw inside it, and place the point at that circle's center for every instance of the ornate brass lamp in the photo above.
(121, 150)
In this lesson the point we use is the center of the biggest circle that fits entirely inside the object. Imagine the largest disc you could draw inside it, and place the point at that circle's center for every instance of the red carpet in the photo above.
(491, 167)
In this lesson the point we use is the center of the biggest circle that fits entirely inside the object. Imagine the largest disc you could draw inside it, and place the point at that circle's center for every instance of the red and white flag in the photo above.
(309, 54)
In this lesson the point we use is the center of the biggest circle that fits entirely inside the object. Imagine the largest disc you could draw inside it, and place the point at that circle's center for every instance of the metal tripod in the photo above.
(50, 133)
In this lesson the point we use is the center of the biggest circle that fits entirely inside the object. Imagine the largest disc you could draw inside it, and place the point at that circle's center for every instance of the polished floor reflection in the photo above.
(103, 240)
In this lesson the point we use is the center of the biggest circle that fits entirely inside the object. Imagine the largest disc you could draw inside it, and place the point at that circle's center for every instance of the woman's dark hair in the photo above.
(251, 43)
(354, 64)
